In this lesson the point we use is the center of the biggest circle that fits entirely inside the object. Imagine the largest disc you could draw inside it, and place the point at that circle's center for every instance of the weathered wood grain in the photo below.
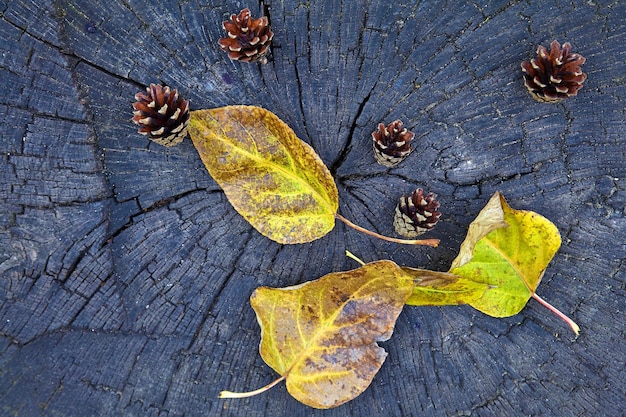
(125, 274)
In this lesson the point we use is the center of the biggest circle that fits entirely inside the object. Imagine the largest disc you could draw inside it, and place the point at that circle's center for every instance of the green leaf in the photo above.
(321, 335)
(273, 179)
(509, 250)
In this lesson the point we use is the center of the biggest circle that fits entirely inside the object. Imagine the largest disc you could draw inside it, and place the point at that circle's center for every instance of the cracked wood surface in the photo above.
(125, 274)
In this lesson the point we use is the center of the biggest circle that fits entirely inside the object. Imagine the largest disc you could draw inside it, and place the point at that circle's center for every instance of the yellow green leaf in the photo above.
(442, 288)
(273, 179)
(510, 257)
(321, 335)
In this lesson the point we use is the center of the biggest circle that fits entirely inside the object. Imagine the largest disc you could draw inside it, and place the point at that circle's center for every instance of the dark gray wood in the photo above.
(125, 273)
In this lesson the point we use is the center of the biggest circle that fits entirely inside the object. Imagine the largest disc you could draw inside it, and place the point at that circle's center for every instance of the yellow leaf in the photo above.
(321, 335)
(442, 288)
(272, 178)
(511, 257)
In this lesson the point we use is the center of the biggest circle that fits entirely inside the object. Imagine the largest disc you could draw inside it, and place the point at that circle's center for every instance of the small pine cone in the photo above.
(416, 214)
(554, 76)
(248, 38)
(161, 115)
(392, 144)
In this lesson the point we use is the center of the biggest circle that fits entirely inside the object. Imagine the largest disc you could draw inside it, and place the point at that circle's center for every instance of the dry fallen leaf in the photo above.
(321, 335)
(273, 179)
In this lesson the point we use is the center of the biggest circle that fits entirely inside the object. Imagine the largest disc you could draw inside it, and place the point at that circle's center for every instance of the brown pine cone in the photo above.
(161, 115)
(416, 214)
(248, 38)
(392, 144)
(554, 76)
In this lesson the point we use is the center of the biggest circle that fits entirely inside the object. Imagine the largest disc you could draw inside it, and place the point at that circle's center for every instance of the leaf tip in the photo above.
(354, 257)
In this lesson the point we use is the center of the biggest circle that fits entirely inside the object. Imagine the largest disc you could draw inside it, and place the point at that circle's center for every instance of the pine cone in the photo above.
(248, 38)
(161, 115)
(416, 214)
(392, 144)
(554, 76)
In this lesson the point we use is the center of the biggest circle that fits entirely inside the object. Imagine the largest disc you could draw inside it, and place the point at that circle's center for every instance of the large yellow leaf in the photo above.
(273, 179)
(509, 250)
(321, 335)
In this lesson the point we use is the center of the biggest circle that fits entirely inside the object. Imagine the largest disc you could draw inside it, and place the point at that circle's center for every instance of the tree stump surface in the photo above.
(125, 273)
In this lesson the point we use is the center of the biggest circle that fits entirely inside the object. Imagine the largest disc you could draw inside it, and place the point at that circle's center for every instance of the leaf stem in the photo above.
(553, 309)
(230, 394)
(427, 242)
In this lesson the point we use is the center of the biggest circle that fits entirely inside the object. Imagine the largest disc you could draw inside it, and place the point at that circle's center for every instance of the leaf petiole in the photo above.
(230, 394)
(427, 242)
(553, 309)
